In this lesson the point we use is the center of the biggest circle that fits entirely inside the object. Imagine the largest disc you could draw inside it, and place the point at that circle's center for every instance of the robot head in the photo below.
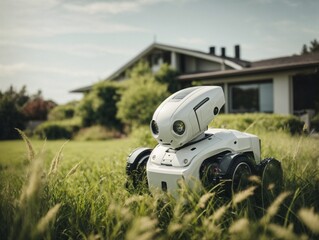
(186, 114)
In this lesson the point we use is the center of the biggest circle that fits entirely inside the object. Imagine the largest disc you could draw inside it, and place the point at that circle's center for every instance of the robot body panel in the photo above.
(166, 166)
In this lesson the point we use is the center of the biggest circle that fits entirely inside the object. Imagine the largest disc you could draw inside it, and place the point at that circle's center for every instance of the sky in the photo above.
(59, 45)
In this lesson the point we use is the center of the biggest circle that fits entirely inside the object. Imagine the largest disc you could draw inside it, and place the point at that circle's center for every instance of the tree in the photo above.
(141, 96)
(313, 47)
(167, 75)
(11, 117)
(99, 105)
(37, 108)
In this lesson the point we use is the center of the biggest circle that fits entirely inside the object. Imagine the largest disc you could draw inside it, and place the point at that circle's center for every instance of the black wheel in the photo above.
(271, 180)
(136, 168)
(240, 177)
(239, 173)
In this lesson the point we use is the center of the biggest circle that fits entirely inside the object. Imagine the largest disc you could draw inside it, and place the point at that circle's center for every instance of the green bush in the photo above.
(142, 96)
(259, 122)
(96, 132)
(11, 117)
(63, 112)
(143, 137)
(98, 107)
(64, 129)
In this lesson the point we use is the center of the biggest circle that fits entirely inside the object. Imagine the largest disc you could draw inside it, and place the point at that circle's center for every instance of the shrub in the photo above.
(64, 129)
(141, 97)
(38, 108)
(63, 112)
(11, 117)
(98, 107)
(258, 121)
(143, 137)
(96, 132)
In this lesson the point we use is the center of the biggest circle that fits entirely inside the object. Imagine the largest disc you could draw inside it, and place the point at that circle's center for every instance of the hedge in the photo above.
(64, 129)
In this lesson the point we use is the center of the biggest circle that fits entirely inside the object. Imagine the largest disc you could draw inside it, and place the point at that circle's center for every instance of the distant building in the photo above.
(285, 85)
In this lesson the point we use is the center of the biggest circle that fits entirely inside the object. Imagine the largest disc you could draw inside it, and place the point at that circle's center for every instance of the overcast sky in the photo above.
(60, 45)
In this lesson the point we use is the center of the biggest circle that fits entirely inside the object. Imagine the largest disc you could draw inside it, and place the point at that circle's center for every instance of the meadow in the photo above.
(76, 190)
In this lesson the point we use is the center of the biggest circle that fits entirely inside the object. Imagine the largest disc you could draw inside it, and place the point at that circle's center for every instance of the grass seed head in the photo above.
(273, 208)
(31, 152)
(241, 196)
(282, 232)
(44, 222)
(203, 200)
(310, 219)
(239, 226)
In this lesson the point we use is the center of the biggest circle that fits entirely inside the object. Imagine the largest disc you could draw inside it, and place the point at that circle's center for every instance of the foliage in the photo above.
(141, 96)
(64, 129)
(96, 132)
(258, 121)
(11, 115)
(37, 108)
(16, 107)
(99, 105)
(62, 112)
(143, 136)
(86, 198)
(167, 75)
(313, 47)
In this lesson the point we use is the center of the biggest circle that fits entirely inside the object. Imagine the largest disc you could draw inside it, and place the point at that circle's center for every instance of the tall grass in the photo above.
(82, 196)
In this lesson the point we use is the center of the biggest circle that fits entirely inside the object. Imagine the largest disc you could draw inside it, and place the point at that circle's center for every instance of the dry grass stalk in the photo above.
(34, 182)
(56, 160)
(241, 196)
(281, 232)
(73, 170)
(239, 226)
(31, 153)
(273, 208)
(219, 213)
(203, 200)
(143, 228)
(49, 217)
(310, 219)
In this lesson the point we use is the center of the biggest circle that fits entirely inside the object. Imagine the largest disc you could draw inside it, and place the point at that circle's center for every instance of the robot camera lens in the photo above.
(154, 127)
(179, 127)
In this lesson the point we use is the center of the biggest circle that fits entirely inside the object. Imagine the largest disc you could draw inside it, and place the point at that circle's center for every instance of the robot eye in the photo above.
(154, 127)
(179, 127)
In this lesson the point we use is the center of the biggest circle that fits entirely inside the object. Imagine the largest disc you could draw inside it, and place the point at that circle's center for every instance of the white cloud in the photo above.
(192, 41)
(86, 50)
(36, 18)
(113, 7)
(18, 68)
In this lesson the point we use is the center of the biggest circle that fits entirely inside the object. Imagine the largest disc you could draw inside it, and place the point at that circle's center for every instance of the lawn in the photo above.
(41, 200)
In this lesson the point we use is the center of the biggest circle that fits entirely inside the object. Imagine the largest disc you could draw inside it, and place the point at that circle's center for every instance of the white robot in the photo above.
(187, 150)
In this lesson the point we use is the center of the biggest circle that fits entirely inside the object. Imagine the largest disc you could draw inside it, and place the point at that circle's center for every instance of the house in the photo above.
(284, 85)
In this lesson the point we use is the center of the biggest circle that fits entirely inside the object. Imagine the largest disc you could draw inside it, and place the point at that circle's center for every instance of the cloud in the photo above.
(193, 41)
(112, 7)
(18, 68)
(38, 19)
(86, 50)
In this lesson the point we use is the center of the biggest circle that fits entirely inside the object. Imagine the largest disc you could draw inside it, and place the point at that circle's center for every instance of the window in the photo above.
(251, 97)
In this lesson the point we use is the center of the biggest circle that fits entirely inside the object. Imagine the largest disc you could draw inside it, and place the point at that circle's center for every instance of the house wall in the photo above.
(282, 89)
(205, 66)
(193, 64)
(282, 94)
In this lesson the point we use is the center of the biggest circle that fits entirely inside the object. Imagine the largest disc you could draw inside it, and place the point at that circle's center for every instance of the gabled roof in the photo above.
(231, 62)
(310, 60)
